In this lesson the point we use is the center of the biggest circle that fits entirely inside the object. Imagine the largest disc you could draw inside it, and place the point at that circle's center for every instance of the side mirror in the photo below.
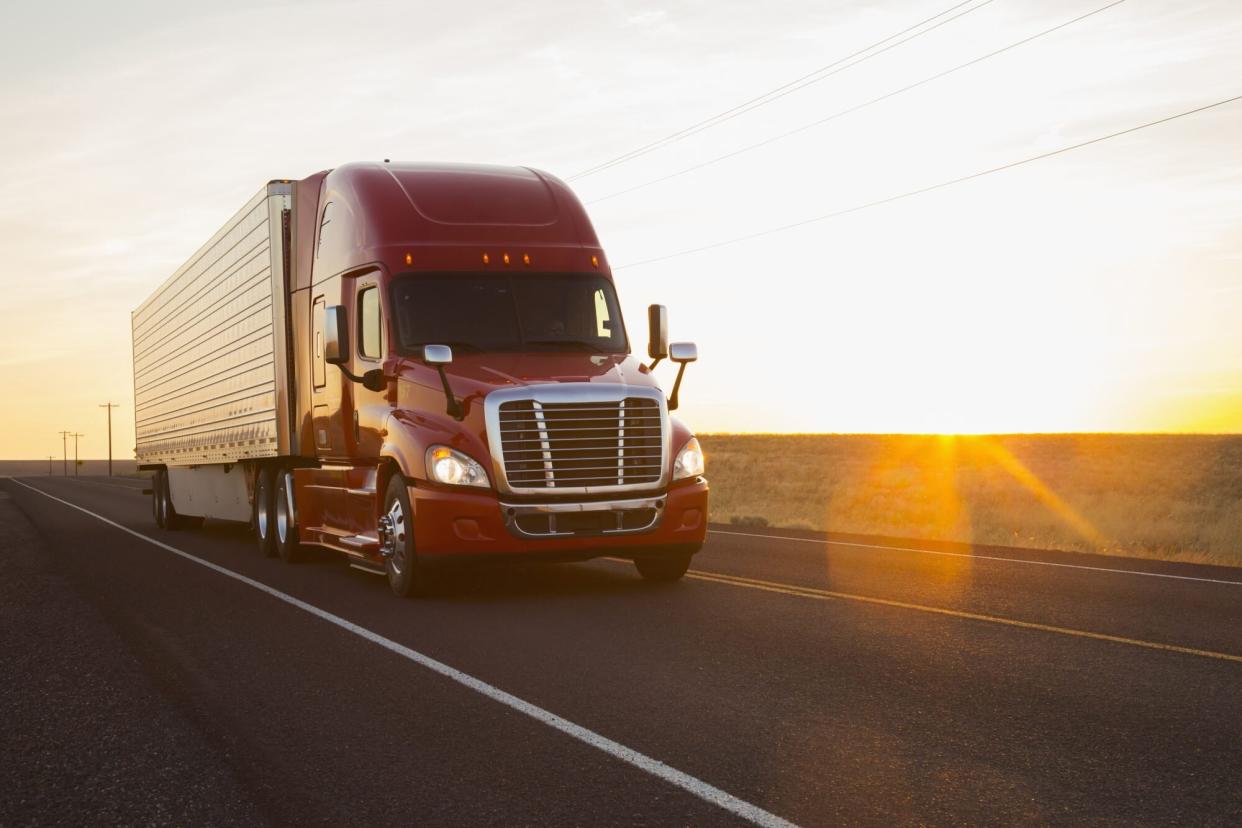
(437, 354)
(683, 352)
(336, 335)
(657, 332)
(374, 380)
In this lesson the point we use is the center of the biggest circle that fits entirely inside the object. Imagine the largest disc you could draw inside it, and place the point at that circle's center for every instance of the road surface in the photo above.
(179, 678)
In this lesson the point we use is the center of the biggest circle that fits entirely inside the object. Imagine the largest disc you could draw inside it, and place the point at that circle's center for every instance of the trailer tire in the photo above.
(264, 519)
(166, 516)
(157, 499)
(666, 567)
(287, 541)
(406, 576)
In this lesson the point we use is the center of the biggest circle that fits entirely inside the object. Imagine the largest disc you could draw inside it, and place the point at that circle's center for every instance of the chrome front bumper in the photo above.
(592, 519)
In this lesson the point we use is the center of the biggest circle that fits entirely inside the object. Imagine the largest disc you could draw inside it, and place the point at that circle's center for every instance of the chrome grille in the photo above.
(554, 445)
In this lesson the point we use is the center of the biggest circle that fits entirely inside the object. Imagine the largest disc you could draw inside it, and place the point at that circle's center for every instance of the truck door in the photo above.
(370, 347)
(326, 411)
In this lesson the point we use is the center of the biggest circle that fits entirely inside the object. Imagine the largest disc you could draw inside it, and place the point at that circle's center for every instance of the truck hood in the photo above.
(479, 374)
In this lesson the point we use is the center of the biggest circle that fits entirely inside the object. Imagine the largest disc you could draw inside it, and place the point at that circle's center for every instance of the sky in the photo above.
(1098, 290)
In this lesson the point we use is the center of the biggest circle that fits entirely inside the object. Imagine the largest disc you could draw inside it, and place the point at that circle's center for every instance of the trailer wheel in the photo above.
(405, 574)
(157, 498)
(166, 516)
(666, 567)
(287, 541)
(264, 519)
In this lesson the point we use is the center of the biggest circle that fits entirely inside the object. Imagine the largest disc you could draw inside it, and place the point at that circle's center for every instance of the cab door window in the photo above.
(370, 323)
(317, 356)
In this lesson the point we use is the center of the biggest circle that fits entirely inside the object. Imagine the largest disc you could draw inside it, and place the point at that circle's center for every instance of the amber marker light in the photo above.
(409, 258)
(487, 259)
(505, 258)
(595, 261)
(526, 259)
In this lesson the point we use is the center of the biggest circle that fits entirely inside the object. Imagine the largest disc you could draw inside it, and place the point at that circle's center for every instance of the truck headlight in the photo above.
(689, 461)
(450, 466)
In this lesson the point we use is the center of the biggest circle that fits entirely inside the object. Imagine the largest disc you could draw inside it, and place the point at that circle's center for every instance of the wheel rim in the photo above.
(283, 512)
(261, 510)
(394, 538)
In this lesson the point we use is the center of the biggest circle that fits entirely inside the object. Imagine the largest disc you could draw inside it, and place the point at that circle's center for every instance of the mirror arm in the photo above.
(365, 379)
(454, 408)
(348, 375)
(672, 399)
(654, 363)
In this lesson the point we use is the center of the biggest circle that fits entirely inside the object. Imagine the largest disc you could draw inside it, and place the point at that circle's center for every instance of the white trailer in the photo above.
(212, 375)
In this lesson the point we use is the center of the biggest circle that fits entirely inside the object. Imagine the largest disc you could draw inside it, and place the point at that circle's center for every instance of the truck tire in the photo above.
(157, 498)
(666, 567)
(166, 516)
(405, 574)
(264, 519)
(287, 541)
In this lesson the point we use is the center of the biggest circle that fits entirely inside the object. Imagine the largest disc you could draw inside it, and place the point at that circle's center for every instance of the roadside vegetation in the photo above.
(1175, 497)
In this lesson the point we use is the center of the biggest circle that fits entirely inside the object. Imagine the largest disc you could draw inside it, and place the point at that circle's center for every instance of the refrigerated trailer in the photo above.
(414, 364)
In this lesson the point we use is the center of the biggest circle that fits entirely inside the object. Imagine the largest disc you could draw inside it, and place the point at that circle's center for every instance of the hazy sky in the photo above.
(1100, 290)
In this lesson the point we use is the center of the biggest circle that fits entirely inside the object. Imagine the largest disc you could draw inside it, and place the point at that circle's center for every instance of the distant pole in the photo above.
(64, 448)
(76, 435)
(49, 464)
(110, 406)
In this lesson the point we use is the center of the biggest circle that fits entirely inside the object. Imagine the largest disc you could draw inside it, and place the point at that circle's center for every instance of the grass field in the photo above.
(1164, 496)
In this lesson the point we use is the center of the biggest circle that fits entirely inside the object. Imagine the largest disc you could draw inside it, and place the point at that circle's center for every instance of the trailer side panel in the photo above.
(211, 372)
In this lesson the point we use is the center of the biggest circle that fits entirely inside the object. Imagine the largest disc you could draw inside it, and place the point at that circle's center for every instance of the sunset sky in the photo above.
(1100, 290)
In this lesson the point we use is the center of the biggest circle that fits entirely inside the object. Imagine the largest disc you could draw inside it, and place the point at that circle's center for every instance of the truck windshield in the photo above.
(509, 312)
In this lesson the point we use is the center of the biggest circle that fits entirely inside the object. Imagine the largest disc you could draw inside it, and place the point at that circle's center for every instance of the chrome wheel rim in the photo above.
(261, 510)
(283, 511)
(394, 538)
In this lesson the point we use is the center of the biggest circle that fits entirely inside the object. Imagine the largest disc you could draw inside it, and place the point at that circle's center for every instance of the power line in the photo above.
(941, 185)
(855, 108)
(822, 73)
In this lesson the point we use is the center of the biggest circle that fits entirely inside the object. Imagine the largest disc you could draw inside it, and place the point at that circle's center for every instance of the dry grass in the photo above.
(1161, 496)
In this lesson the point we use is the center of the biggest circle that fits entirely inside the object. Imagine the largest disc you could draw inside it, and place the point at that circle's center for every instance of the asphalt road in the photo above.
(786, 679)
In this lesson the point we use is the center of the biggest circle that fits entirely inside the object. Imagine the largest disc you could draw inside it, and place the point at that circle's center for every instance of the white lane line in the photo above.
(979, 557)
(655, 767)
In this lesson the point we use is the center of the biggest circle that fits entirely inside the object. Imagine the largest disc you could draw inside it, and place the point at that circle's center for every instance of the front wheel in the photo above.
(664, 567)
(405, 575)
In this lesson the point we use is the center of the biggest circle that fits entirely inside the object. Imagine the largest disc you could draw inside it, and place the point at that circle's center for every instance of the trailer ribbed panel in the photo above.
(206, 349)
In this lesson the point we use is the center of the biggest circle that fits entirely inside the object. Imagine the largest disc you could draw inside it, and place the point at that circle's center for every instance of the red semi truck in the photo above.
(412, 364)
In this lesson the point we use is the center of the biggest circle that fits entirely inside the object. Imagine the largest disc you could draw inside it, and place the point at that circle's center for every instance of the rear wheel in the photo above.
(405, 574)
(264, 520)
(157, 498)
(165, 513)
(666, 567)
(288, 543)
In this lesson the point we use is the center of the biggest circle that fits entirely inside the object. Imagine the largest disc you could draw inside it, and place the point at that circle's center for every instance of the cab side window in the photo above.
(370, 323)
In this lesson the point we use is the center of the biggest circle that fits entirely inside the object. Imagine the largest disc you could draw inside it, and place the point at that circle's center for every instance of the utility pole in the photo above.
(110, 406)
(76, 435)
(49, 464)
(64, 447)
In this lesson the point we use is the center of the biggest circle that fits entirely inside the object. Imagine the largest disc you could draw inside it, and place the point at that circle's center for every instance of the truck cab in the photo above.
(457, 383)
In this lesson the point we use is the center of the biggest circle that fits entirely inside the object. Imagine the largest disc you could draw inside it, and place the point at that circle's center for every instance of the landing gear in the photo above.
(396, 534)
